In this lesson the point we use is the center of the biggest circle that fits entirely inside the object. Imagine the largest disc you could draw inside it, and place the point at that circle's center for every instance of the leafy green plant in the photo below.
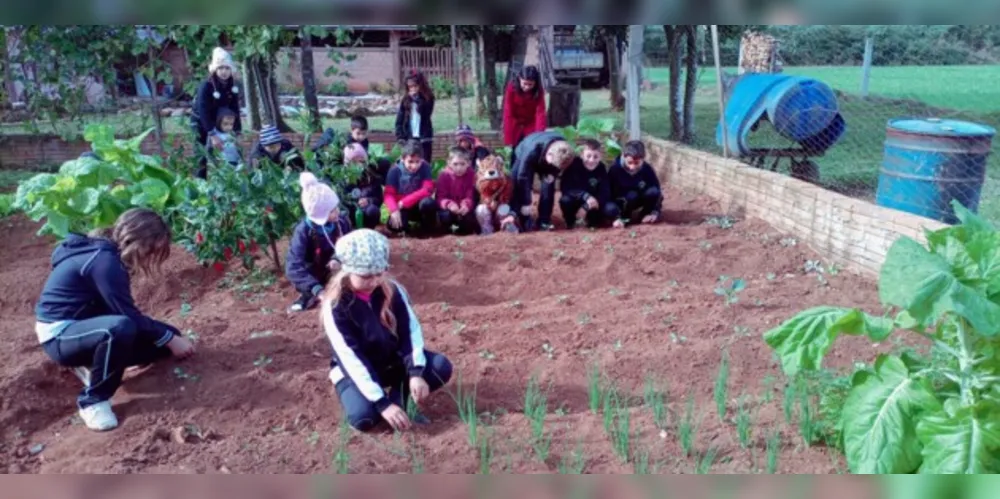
(730, 289)
(7, 205)
(89, 193)
(904, 414)
(594, 128)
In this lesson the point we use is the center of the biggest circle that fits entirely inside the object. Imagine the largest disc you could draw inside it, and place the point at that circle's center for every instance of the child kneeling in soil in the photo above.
(377, 340)
(87, 319)
(409, 191)
(586, 190)
(635, 188)
(310, 262)
(456, 192)
(365, 205)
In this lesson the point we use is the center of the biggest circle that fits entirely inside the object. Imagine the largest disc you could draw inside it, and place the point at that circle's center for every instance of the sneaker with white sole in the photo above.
(99, 417)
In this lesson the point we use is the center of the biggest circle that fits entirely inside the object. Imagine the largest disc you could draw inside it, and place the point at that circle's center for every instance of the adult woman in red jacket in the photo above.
(524, 106)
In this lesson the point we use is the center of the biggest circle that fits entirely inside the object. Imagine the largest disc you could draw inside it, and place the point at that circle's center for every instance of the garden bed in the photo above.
(634, 305)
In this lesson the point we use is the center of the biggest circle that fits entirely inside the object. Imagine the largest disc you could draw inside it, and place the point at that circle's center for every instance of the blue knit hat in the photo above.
(269, 135)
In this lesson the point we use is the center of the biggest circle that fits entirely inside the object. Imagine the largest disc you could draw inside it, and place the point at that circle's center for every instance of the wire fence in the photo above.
(909, 137)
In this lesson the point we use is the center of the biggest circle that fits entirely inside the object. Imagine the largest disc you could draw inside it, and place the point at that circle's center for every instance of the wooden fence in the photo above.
(431, 61)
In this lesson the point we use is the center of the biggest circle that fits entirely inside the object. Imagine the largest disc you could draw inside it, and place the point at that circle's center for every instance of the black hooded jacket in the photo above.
(529, 160)
(89, 280)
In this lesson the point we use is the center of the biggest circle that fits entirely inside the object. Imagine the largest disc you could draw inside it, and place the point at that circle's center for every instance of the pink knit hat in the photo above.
(318, 199)
(355, 151)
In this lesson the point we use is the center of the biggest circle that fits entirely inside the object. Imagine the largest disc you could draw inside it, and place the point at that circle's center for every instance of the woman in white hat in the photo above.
(218, 91)
(379, 361)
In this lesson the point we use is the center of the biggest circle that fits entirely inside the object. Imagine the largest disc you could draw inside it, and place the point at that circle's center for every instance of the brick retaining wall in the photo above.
(851, 232)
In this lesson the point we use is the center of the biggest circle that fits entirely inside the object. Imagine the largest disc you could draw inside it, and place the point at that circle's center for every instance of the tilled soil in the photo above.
(638, 304)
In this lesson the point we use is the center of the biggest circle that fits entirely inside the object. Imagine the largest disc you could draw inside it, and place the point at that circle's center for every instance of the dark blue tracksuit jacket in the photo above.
(579, 184)
(309, 252)
(367, 353)
(529, 160)
(640, 184)
(89, 280)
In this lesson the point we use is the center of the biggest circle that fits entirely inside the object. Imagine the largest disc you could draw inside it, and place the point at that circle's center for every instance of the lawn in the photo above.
(851, 166)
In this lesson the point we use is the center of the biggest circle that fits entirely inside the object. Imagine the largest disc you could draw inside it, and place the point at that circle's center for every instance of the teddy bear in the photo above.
(496, 189)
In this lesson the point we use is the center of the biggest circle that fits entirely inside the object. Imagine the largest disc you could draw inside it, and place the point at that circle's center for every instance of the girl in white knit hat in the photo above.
(379, 361)
(309, 263)
(218, 91)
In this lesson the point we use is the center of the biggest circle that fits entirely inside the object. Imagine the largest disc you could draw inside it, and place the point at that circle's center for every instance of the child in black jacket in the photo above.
(87, 319)
(379, 360)
(364, 196)
(310, 263)
(413, 120)
(585, 187)
(635, 188)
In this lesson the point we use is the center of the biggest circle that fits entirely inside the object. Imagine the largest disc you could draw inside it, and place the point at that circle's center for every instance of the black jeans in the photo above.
(361, 413)
(466, 224)
(200, 150)
(107, 345)
(371, 215)
(636, 205)
(546, 205)
(596, 217)
(424, 213)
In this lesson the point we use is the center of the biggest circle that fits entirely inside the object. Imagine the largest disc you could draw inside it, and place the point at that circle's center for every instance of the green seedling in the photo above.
(677, 339)
(191, 335)
(771, 276)
(535, 409)
(730, 289)
(181, 374)
(583, 319)
(744, 422)
(656, 400)
(687, 429)
(457, 327)
(704, 245)
(341, 457)
(406, 256)
(789, 400)
(576, 462)
(549, 350)
(723, 222)
(773, 449)
(640, 461)
(262, 361)
(516, 304)
(487, 355)
(562, 299)
(261, 334)
(558, 255)
(707, 461)
(721, 386)
(185, 309)
(313, 439)
(459, 255)
(608, 406)
(485, 452)
(465, 399)
(621, 431)
(595, 389)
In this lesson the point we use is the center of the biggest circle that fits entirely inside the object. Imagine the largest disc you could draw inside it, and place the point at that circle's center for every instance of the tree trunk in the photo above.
(614, 72)
(315, 123)
(691, 83)
(268, 88)
(477, 76)
(489, 43)
(564, 105)
(253, 96)
(675, 76)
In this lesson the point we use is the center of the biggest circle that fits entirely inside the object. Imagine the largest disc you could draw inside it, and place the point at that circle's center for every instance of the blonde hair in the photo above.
(334, 292)
(559, 153)
(142, 237)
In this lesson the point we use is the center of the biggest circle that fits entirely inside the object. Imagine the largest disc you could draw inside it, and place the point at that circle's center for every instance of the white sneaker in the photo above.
(99, 417)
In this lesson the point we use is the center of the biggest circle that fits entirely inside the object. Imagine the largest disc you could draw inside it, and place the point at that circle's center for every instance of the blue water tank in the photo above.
(928, 162)
(801, 108)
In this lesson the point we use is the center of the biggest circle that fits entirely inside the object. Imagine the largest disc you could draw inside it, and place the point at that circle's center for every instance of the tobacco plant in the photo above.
(905, 414)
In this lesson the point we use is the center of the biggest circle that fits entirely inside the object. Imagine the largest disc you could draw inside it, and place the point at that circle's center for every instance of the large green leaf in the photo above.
(29, 191)
(879, 425)
(802, 341)
(152, 193)
(85, 200)
(924, 285)
(56, 223)
(960, 439)
(969, 219)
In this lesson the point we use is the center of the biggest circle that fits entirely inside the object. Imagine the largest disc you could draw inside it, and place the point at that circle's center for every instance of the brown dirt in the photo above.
(637, 303)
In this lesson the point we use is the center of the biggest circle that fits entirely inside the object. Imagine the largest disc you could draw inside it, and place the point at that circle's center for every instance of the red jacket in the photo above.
(523, 114)
(458, 189)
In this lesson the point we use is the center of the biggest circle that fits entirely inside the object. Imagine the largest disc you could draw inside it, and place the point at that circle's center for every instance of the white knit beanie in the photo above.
(220, 58)
(318, 199)
(363, 252)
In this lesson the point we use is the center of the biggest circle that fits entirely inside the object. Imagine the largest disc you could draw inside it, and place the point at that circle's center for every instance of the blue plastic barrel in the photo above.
(801, 108)
(928, 162)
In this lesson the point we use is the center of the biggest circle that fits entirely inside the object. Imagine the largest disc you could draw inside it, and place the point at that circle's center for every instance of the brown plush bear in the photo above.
(496, 189)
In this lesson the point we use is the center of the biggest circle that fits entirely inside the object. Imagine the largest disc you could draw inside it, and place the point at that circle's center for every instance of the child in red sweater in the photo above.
(456, 190)
(409, 191)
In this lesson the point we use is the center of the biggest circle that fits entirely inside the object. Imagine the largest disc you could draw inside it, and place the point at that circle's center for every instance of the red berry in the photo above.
(242, 248)
(218, 266)
(253, 247)
(268, 209)
(199, 238)
(227, 253)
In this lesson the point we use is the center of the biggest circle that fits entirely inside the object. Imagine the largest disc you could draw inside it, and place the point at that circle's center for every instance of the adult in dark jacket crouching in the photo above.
(545, 155)
(87, 319)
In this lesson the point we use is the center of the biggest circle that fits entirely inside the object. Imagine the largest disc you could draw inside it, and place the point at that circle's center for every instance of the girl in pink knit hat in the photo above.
(310, 262)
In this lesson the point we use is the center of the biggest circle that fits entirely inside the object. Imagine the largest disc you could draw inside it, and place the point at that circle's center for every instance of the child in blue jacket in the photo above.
(365, 195)
(635, 188)
(87, 319)
(585, 187)
(310, 262)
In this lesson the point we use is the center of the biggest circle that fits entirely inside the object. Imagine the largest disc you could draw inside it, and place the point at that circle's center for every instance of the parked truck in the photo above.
(576, 60)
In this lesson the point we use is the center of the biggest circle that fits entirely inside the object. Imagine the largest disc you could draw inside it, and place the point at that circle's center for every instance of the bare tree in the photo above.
(315, 124)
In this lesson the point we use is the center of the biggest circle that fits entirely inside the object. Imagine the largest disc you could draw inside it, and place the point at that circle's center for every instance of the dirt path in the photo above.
(635, 303)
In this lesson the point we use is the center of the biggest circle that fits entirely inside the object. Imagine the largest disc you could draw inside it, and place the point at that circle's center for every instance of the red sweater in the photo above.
(458, 189)
(523, 113)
